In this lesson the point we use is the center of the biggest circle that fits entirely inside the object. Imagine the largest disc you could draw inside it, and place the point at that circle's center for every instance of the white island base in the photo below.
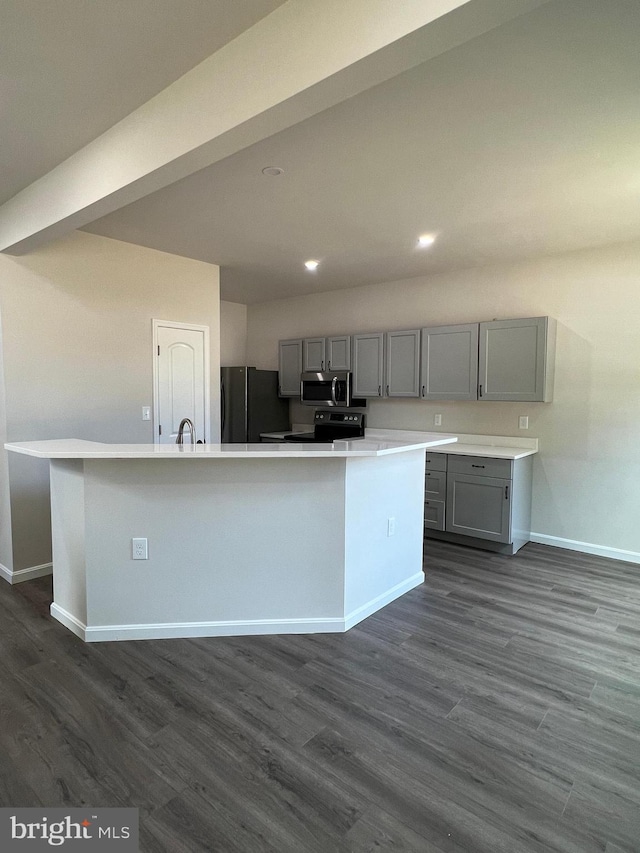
(254, 542)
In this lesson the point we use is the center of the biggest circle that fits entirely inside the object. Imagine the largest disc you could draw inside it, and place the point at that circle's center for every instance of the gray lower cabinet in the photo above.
(289, 367)
(479, 500)
(516, 360)
(449, 363)
(479, 506)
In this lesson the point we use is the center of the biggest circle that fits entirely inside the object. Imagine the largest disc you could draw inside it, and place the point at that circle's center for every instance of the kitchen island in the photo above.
(242, 538)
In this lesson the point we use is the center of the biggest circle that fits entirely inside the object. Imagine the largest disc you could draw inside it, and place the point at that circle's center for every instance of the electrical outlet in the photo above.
(146, 413)
(391, 526)
(523, 422)
(437, 420)
(139, 549)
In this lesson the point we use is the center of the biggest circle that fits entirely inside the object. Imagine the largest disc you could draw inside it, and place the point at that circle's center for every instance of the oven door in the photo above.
(325, 389)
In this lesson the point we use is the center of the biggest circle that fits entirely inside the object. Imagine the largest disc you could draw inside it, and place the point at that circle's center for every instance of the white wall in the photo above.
(587, 474)
(233, 334)
(77, 354)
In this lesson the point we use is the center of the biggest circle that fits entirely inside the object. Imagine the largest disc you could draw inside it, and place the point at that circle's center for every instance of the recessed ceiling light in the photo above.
(425, 240)
(272, 171)
(311, 265)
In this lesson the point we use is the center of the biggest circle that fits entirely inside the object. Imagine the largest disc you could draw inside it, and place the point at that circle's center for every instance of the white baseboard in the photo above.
(586, 547)
(382, 600)
(181, 630)
(69, 621)
(25, 574)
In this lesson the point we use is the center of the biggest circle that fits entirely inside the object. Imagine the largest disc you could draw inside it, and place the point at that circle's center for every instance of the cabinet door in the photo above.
(513, 360)
(403, 364)
(339, 353)
(289, 368)
(368, 363)
(449, 364)
(435, 485)
(434, 515)
(313, 354)
(479, 506)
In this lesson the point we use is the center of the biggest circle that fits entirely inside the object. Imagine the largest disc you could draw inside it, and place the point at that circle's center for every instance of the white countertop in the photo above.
(490, 446)
(72, 448)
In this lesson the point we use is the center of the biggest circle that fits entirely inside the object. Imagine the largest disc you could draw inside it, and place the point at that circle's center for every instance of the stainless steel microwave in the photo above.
(332, 388)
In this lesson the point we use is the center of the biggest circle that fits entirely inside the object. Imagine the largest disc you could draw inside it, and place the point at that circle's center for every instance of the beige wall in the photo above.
(233, 334)
(587, 474)
(77, 354)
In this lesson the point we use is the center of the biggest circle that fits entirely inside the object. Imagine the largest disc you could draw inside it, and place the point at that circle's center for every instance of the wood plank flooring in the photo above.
(496, 708)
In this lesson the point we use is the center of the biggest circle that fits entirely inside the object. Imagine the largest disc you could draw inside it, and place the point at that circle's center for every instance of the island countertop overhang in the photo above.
(71, 448)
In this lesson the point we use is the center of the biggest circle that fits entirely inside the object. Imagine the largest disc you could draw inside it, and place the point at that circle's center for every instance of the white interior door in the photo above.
(181, 359)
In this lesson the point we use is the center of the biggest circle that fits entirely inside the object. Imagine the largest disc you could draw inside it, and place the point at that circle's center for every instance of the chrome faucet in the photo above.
(186, 422)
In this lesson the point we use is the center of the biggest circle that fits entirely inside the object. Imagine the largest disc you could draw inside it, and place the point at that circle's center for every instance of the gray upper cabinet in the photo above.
(449, 364)
(314, 354)
(516, 360)
(327, 353)
(339, 352)
(368, 364)
(403, 363)
(289, 367)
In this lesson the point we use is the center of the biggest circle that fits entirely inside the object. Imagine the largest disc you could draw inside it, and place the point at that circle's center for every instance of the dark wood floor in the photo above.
(496, 708)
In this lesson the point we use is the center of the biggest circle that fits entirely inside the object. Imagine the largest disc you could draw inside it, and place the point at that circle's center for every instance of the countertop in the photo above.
(71, 448)
(490, 446)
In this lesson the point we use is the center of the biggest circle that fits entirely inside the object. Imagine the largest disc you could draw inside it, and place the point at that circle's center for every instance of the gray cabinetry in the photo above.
(289, 367)
(314, 354)
(449, 363)
(479, 497)
(368, 364)
(435, 491)
(327, 353)
(403, 363)
(338, 351)
(479, 501)
(479, 506)
(516, 360)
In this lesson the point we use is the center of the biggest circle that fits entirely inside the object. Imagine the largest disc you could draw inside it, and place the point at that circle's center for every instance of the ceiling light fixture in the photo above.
(311, 265)
(425, 240)
(272, 171)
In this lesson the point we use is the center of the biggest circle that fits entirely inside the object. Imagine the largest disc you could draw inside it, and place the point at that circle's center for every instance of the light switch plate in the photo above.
(523, 422)
(146, 413)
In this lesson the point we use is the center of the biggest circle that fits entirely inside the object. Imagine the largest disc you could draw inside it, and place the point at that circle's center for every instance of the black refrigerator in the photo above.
(249, 404)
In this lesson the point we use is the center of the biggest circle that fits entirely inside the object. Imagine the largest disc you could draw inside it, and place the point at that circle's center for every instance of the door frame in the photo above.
(192, 327)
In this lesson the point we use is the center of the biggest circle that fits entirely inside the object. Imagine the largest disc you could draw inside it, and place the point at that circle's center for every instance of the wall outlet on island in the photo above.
(437, 420)
(523, 422)
(139, 549)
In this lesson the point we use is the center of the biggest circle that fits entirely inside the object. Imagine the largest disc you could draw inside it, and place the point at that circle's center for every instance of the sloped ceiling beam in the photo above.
(303, 58)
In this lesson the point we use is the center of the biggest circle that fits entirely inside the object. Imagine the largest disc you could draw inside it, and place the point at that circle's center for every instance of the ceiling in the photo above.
(70, 69)
(522, 142)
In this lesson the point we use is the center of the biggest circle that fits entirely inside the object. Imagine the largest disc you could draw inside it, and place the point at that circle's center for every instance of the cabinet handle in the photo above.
(387, 390)
(322, 365)
(476, 466)
(480, 390)
(506, 493)
(379, 390)
(328, 365)
(423, 390)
